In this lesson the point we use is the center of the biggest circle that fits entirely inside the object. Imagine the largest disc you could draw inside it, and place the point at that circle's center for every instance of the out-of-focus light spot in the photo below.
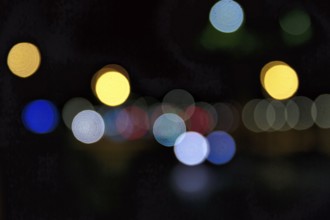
(296, 40)
(40, 116)
(322, 107)
(306, 119)
(124, 123)
(228, 117)
(248, 115)
(167, 128)
(276, 115)
(265, 69)
(88, 126)
(261, 118)
(226, 16)
(200, 121)
(239, 43)
(292, 114)
(24, 59)
(222, 147)
(191, 148)
(154, 112)
(177, 101)
(73, 107)
(139, 123)
(281, 81)
(212, 113)
(296, 26)
(192, 183)
(116, 68)
(110, 117)
(110, 86)
(295, 22)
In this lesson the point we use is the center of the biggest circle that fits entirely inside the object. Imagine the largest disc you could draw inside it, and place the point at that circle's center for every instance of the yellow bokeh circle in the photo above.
(280, 81)
(24, 59)
(111, 87)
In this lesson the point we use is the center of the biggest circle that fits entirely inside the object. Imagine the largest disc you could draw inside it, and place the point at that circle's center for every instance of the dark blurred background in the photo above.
(279, 175)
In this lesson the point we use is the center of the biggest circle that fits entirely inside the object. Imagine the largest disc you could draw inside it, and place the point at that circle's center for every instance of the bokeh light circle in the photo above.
(322, 106)
(88, 126)
(261, 117)
(222, 147)
(40, 116)
(191, 148)
(112, 88)
(177, 101)
(306, 118)
(295, 22)
(248, 115)
(192, 183)
(24, 59)
(167, 128)
(281, 81)
(226, 16)
(72, 107)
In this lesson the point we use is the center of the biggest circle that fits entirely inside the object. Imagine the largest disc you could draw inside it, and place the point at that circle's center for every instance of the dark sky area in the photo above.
(158, 42)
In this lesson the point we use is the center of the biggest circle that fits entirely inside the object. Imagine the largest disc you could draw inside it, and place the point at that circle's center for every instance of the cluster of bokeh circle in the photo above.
(197, 131)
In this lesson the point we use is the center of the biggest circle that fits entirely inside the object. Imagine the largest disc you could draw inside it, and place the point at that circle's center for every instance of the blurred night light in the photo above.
(276, 115)
(296, 26)
(263, 120)
(265, 69)
(295, 22)
(248, 115)
(322, 107)
(191, 148)
(212, 113)
(24, 59)
(226, 16)
(192, 183)
(167, 128)
(228, 117)
(40, 116)
(73, 107)
(88, 126)
(279, 80)
(222, 147)
(200, 121)
(306, 115)
(110, 86)
(292, 113)
(110, 117)
(177, 101)
(139, 123)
